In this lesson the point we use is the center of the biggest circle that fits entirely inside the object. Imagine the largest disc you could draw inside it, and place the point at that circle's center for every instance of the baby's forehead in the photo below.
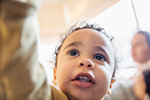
(89, 36)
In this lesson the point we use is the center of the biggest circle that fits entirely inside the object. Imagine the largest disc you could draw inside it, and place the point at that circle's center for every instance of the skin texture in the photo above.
(140, 49)
(140, 87)
(85, 51)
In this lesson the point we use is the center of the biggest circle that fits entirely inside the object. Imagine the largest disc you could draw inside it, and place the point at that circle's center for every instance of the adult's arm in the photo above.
(21, 76)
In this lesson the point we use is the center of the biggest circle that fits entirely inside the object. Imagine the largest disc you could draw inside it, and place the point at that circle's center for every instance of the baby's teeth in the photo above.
(84, 79)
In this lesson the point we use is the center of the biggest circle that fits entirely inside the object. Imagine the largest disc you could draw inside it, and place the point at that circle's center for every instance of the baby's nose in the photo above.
(86, 63)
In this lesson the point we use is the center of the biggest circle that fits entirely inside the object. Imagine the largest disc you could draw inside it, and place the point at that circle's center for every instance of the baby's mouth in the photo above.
(83, 80)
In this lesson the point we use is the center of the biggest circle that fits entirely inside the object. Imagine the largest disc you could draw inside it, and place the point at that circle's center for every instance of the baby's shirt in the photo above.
(57, 95)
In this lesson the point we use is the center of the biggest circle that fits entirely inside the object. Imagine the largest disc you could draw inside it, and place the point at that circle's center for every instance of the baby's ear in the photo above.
(109, 90)
(54, 75)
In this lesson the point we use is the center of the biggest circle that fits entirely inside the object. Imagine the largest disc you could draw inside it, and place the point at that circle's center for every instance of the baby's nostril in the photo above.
(81, 64)
(89, 65)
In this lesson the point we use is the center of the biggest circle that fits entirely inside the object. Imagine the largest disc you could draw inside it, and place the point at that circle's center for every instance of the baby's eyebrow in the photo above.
(100, 49)
(73, 44)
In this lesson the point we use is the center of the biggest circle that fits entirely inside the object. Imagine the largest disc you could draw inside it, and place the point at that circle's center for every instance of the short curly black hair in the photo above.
(79, 26)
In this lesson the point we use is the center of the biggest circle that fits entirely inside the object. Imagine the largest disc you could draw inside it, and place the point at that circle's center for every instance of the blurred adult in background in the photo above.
(135, 88)
(141, 50)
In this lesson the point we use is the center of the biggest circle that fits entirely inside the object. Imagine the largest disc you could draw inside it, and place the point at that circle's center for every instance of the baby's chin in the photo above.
(84, 96)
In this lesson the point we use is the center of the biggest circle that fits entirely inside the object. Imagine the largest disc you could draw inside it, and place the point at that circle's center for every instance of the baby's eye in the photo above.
(99, 57)
(73, 53)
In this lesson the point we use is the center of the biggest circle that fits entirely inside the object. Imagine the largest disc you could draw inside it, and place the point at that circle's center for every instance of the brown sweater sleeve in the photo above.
(21, 76)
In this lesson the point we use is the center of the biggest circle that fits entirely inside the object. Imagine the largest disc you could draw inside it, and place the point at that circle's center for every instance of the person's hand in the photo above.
(140, 87)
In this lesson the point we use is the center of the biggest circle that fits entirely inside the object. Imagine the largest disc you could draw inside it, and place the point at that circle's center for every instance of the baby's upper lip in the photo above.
(87, 75)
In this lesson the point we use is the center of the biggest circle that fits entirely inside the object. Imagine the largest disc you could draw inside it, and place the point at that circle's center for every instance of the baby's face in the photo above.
(85, 65)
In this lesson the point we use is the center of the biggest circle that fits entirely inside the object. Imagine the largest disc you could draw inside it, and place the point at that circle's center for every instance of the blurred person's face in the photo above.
(140, 49)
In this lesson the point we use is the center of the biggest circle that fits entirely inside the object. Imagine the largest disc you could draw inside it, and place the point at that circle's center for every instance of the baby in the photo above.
(85, 63)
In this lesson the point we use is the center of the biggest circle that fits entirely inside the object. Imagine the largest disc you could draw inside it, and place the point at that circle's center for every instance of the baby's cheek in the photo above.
(60, 82)
(62, 75)
(59, 76)
(105, 75)
(104, 83)
(110, 68)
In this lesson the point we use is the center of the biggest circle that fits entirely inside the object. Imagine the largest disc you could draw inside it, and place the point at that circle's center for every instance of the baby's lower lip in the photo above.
(83, 84)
